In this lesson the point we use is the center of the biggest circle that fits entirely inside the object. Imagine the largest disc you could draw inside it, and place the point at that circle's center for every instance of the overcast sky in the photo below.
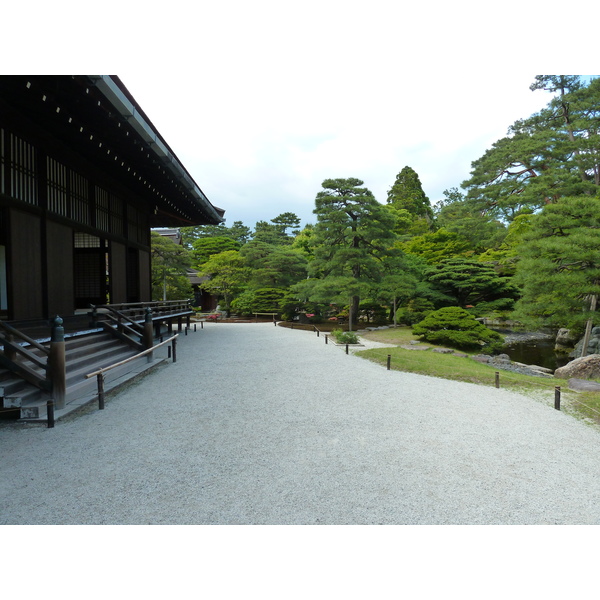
(262, 101)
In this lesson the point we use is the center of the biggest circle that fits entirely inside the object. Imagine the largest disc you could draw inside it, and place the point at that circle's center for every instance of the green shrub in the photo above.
(415, 310)
(455, 327)
(265, 300)
(344, 337)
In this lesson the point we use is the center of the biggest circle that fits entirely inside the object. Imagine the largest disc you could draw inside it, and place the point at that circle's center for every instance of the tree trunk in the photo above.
(353, 311)
(588, 327)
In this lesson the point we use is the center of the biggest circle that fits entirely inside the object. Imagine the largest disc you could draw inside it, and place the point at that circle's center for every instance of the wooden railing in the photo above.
(27, 365)
(99, 374)
(136, 311)
(129, 321)
(27, 362)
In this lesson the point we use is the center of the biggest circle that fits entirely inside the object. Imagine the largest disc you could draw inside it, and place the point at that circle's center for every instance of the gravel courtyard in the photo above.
(256, 424)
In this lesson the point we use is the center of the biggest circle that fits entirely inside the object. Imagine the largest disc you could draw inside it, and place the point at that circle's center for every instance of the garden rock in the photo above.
(564, 341)
(502, 361)
(581, 385)
(586, 367)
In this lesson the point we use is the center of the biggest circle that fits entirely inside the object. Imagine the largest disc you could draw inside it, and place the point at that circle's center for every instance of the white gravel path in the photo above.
(256, 424)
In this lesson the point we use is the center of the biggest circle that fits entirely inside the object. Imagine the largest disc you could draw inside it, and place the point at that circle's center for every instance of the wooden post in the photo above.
(100, 378)
(148, 340)
(497, 379)
(50, 409)
(557, 397)
(588, 327)
(56, 370)
(93, 316)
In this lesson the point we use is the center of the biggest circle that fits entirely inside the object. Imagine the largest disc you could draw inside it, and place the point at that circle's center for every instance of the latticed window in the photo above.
(138, 229)
(102, 209)
(79, 196)
(57, 175)
(117, 221)
(85, 240)
(23, 182)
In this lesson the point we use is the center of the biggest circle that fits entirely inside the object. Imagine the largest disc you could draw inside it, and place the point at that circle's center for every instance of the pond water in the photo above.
(536, 352)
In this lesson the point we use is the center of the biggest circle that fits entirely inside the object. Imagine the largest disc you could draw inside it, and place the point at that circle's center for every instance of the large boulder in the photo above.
(565, 342)
(586, 367)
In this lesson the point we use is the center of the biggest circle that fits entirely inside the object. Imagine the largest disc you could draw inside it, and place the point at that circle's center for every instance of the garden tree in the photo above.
(273, 266)
(402, 274)
(406, 224)
(287, 220)
(506, 257)
(459, 215)
(227, 275)
(437, 246)
(559, 268)
(276, 232)
(455, 327)
(302, 241)
(333, 290)
(407, 194)
(238, 232)
(261, 300)
(468, 282)
(553, 153)
(205, 247)
(352, 235)
(170, 262)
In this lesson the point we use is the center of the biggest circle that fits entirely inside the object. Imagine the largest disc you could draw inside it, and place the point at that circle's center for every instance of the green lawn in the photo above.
(458, 368)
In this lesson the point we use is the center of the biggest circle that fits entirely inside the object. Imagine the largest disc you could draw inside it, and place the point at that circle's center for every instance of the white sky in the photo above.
(262, 101)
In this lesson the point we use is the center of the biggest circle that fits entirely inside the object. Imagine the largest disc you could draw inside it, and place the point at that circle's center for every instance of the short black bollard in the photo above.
(326, 338)
(557, 397)
(194, 327)
(100, 377)
(497, 379)
(174, 349)
(389, 360)
(318, 333)
(50, 409)
(201, 324)
(169, 352)
(346, 348)
(186, 330)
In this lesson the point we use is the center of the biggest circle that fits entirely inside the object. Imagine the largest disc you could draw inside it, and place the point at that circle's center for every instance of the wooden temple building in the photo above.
(84, 177)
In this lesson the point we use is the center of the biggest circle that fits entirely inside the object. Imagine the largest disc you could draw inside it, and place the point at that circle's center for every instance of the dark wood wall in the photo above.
(24, 266)
(59, 269)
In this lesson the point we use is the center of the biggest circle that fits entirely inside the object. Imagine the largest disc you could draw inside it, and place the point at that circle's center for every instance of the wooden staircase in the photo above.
(36, 369)
(84, 354)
